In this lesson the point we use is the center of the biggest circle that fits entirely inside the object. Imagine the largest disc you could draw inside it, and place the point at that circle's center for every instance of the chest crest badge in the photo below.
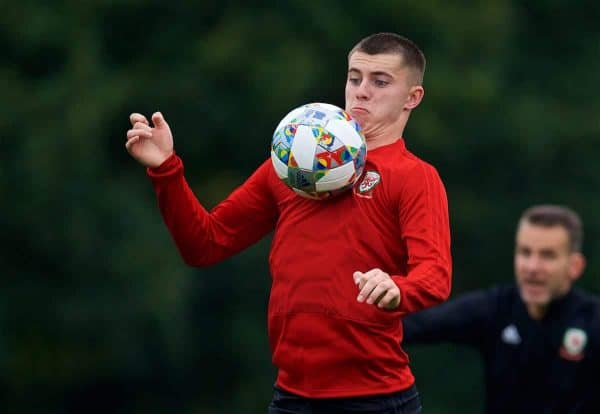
(370, 180)
(573, 344)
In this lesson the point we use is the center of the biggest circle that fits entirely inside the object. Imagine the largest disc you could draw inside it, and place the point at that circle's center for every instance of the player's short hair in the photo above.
(548, 215)
(381, 43)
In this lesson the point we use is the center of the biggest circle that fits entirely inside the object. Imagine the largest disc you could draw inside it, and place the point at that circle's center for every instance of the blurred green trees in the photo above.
(99, 314)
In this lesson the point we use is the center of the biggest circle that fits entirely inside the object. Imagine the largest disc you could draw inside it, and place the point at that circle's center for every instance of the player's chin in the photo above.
(360, 116)
(535, 294)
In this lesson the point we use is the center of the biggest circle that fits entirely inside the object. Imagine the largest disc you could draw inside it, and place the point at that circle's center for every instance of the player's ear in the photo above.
(576, 265)
(415, 96)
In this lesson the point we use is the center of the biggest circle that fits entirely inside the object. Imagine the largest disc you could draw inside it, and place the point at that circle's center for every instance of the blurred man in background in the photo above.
(539, 338)
(344, 271)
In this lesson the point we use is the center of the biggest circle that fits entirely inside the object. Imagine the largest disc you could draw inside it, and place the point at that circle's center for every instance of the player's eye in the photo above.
(380, 83)
(354, 81)
(523, 251)
(548, 254)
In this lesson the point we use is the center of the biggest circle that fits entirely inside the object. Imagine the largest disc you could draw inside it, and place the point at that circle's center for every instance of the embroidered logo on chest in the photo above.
(370, 180)
(510, 335)
(573, 344)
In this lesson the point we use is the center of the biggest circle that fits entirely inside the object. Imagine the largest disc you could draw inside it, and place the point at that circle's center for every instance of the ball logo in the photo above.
(573, 344)
(368, 183)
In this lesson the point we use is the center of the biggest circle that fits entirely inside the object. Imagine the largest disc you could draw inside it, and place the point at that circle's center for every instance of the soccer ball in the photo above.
(318, 150)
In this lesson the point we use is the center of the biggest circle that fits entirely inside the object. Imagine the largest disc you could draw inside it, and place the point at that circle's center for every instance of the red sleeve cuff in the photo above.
(170, 166)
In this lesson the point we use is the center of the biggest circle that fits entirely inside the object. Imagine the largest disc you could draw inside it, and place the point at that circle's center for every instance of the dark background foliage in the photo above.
(97, 311)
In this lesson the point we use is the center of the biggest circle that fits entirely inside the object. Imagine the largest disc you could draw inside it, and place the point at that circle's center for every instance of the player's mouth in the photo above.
(357, 110)
(533, 286)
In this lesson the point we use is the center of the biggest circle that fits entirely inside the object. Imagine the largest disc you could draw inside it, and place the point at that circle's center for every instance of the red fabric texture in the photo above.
(323, 341)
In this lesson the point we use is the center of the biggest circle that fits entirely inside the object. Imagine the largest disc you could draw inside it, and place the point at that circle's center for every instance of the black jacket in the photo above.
(549, 366)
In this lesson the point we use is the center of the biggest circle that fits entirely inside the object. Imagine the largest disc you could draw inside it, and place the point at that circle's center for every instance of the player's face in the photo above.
(380, 92)
(545, 266)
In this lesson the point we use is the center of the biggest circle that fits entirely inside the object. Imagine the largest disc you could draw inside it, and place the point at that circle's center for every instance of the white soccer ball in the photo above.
(318, 150)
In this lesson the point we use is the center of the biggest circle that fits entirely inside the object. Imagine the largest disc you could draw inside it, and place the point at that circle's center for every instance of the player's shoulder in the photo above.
(414, 161)
(401, 163)
(586, 301)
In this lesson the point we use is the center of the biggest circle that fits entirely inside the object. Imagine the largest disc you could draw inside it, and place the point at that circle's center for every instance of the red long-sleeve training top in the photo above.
(324, 342)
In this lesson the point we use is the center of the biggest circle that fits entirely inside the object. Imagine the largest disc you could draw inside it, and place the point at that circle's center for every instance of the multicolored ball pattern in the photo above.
(318, 150)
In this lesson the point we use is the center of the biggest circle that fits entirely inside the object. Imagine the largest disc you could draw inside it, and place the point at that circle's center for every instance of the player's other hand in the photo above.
(152, 144)
(377, 287)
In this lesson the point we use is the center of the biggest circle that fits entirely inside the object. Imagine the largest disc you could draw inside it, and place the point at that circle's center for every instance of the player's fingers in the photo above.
(138, 132)
(159, 121)
(368, 287)
(135, 117)
(373, 272)
(357, 276)
(377, 293)
(361, 278)
(131, 141)
(390, 300)
(141, 125)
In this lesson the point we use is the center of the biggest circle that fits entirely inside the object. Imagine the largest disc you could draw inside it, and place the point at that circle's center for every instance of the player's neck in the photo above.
(376, 143)
(537, 312)
(385, 136)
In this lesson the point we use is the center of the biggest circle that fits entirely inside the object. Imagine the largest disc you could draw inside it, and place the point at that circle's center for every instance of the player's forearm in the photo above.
(187, 220)
(427, 285)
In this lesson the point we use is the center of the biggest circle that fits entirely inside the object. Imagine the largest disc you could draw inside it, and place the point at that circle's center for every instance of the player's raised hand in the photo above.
(152, 144)
(377, 287)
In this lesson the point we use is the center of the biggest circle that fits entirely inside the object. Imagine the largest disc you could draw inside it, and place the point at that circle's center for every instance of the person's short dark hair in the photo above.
(382, 43)
(549, 215)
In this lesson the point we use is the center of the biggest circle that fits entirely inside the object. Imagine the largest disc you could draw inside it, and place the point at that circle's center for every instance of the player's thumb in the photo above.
(159, 121)
(356, 276)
